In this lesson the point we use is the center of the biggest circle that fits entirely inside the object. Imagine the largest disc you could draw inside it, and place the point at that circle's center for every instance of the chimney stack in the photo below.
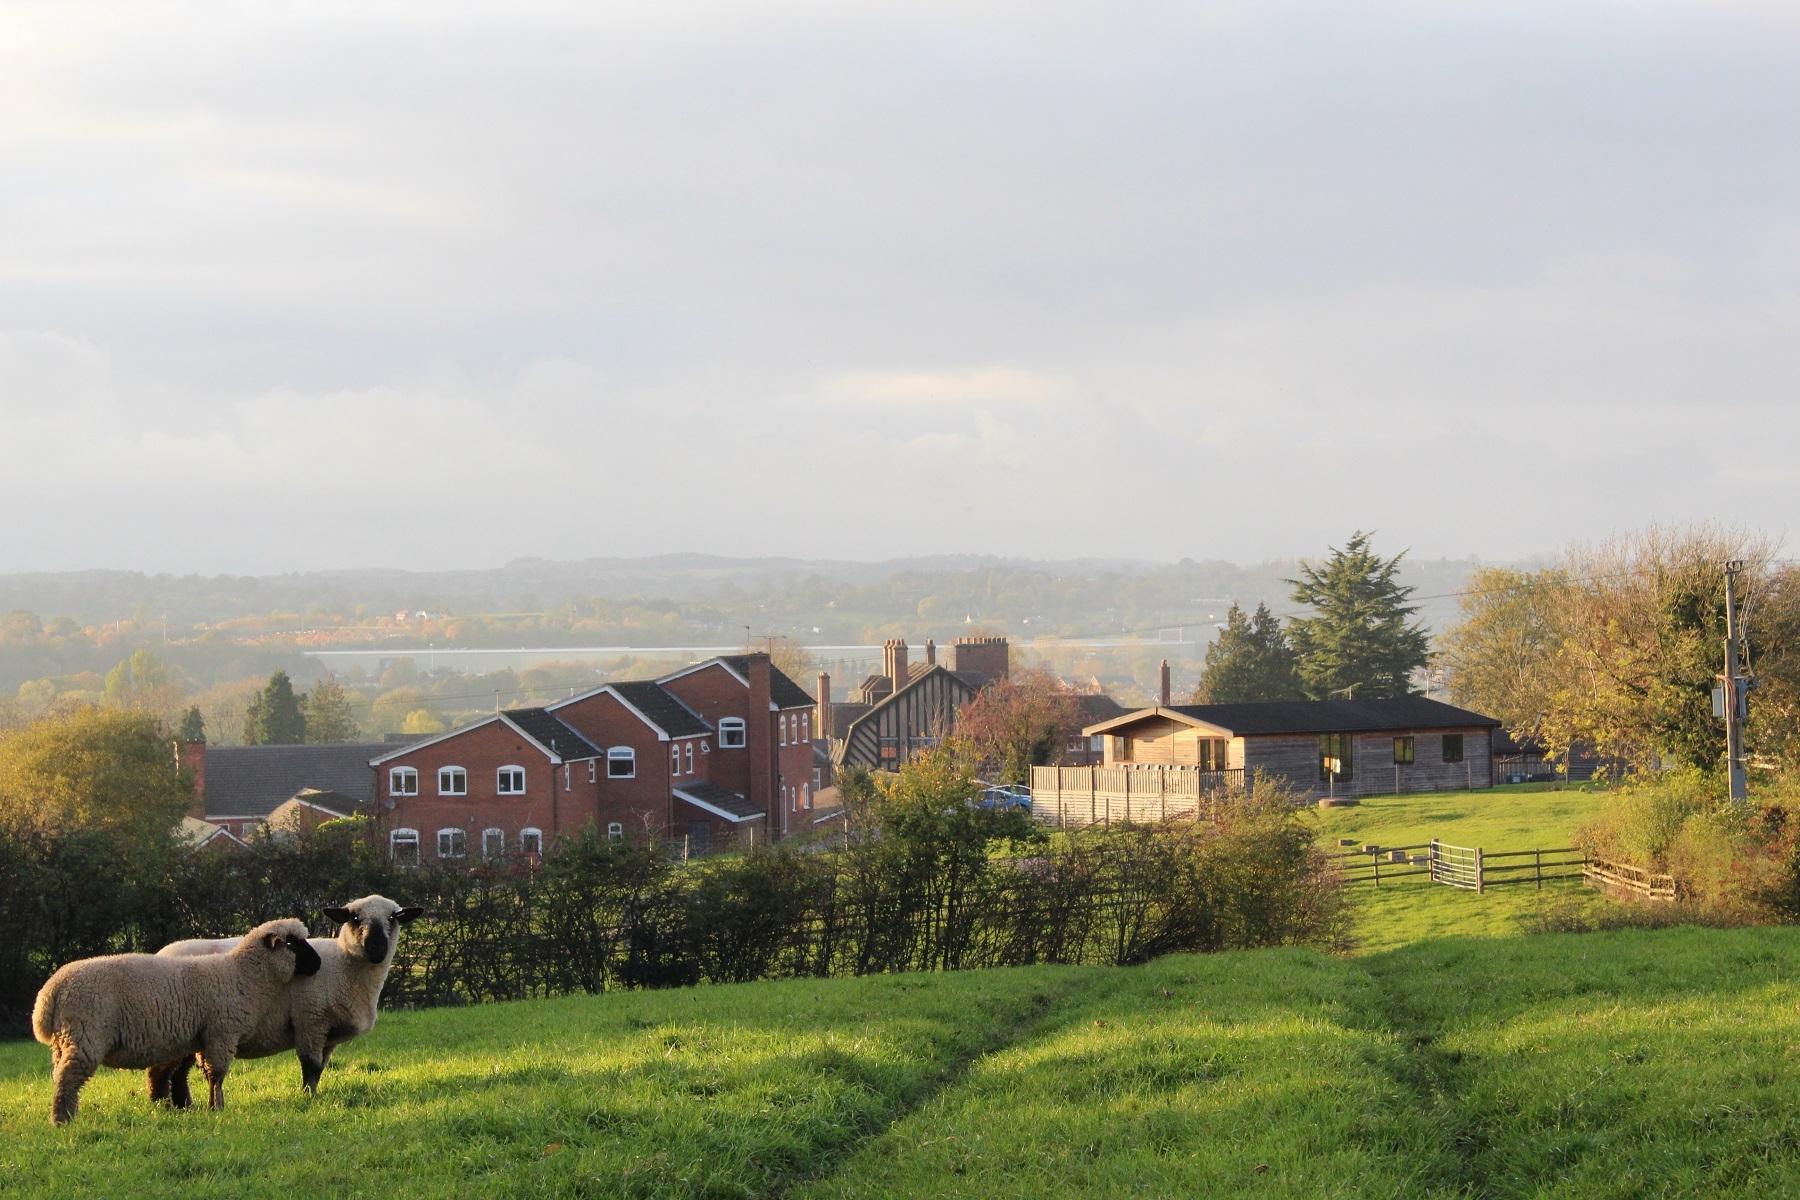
(760, 729)
(190, 760)
(893, 653)
(822, 716)
(1165, 684)
(930, 653)
(986, 657)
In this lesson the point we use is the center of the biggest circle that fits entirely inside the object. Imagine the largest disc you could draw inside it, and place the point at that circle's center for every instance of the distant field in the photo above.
(1411, 909)
(1642, 1064)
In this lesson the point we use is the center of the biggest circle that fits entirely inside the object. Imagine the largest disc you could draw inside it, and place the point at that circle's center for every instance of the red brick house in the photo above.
(720, 748)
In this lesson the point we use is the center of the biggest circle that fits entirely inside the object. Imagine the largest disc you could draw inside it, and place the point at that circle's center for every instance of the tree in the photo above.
(193, 726)
(1020, 722)
(95, 769)
(1502, 656)
(1360, 642)
(1251, 660)
(328, 715)
(275, 717)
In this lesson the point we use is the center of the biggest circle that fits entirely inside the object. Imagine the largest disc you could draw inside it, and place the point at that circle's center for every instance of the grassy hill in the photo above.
(1431, 1063)
(1627, 1064)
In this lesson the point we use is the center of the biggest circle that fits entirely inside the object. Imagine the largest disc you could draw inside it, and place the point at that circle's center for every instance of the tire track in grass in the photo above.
(1048, 1011)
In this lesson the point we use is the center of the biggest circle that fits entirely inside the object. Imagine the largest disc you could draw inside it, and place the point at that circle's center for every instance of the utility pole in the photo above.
(1732, 693)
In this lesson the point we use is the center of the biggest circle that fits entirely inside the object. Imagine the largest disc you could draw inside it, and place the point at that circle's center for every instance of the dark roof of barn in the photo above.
(251, 781)
(782, 690)
(665, 711)
(549, 730)
(1332, 716)
(707, 793)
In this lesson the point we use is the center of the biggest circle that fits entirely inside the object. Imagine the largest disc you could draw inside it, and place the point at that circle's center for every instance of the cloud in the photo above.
(986, 386)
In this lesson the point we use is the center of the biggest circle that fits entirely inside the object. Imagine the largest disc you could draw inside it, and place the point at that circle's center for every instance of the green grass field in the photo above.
(1447, 1057)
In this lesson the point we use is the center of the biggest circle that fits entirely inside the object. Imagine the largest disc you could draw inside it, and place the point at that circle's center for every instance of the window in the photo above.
(510, 781)
(1453, 747)
(593, 770)
(783, 723)
(805, 796)
(731, 733)
(403, 781)
(453, 781)
(453, 843)
(1403, 750)
(493, 843)
(615, 831)
(565, 777)
(690, 758)
(888, 749)
(805, 727)
(815, 779)
(403, 847)
(1334, 757)
(531, 840)
(1210, 754)
(674, 759)
(621, 763)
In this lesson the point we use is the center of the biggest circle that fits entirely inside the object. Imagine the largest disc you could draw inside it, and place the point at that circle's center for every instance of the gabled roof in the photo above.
(250, 781)
(651, 703)
(556, 740)
(718, 801)
(1309, 716)
(555, 735)
(783, 692)
(198, 834)
(917, 679)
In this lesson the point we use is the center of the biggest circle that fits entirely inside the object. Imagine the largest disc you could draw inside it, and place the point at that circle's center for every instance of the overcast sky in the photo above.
(435, 284)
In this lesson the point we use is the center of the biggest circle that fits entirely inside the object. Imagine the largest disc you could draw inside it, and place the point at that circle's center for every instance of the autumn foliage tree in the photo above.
(1020, 722)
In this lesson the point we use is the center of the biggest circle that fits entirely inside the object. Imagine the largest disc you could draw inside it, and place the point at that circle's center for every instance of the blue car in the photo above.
(1001, 797)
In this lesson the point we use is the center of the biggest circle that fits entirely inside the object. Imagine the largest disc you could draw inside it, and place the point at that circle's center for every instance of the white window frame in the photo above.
(733, 733)
(782, 722)
(593, 770)
(674, 758)
(805, 798)
(403, 781)
(533, 832)
(403, 837)
(615, 831)
(566, 783)
(690, 758)
(461, 791)
(498, 835)
(805, 727)
(621, 754)
(452, 829)
(500, 788)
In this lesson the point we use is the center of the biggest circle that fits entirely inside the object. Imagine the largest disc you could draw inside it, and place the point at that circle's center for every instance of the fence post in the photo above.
(1431, 867)
(1093, 795)
(1480, 873)
(1377, 860)
(1127, 803)
(1537, 857)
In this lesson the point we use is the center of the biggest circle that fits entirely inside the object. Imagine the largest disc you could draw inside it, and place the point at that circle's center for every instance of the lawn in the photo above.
(1603, 1065)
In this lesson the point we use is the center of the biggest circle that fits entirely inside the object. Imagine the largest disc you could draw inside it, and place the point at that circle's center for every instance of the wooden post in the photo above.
(1480, 873)
(1164, 817)
(1377, 859)
(1537, 857)
(1093, 794)
(1127, 801)
(1432, 866)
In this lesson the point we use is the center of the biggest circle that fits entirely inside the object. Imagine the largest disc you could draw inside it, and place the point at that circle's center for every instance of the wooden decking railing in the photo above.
(1070, 797)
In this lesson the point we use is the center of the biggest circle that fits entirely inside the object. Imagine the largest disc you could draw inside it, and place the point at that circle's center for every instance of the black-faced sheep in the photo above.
(136, 1010)
(324, 1011)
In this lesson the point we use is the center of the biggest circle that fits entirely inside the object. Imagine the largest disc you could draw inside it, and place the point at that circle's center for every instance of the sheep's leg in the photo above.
(72, 1069)
(215, 1061)
(312, 1062)
(179, 1095)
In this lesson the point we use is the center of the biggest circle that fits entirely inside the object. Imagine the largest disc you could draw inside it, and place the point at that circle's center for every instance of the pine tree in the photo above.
(328, 715)
(1360, 641)
(275, 717)
(1250, 661)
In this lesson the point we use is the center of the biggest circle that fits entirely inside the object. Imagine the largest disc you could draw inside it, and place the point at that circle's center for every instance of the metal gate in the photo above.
(1457, 866)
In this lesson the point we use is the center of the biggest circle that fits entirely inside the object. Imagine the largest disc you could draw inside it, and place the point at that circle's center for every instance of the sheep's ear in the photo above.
(408, 914)
(273, 941)
(339, 915)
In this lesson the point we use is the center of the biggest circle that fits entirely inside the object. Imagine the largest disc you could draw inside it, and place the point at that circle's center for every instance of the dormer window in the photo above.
(731, 733)
(453, 781)
(403, 781)
(510, 781)
(621, 763)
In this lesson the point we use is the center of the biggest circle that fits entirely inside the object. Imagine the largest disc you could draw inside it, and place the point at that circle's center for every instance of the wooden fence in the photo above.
(1469, 867)
(1071, 797)
(1608, 876)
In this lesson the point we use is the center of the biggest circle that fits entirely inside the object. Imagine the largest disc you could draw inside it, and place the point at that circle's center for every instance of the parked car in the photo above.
(1004, 796)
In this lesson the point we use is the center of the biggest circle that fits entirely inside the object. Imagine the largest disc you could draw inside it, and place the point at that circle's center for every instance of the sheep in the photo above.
(136, 1010)
(332, 1007)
